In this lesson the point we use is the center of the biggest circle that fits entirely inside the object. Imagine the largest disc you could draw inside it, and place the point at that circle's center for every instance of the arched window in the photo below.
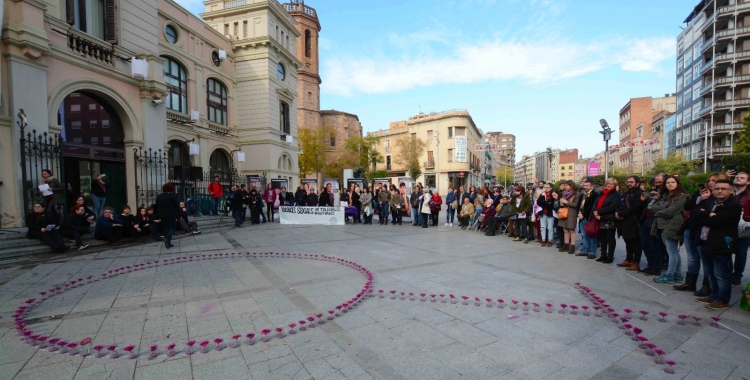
(176, 79)
(216, 99)
(220, 165)
(284, 125)
(308, 43)
(178, 154)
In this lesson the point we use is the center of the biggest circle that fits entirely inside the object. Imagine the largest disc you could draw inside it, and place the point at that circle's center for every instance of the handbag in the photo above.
(743, 228)
(454, 205)
(592, 228)
(562, 213)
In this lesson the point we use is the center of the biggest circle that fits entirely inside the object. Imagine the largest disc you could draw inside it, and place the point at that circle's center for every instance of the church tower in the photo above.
(308, 79)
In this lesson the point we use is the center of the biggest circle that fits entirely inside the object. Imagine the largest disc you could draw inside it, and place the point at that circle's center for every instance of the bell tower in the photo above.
(308, 79)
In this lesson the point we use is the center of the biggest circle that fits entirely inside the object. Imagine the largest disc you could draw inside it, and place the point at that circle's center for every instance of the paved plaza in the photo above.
(189, 297)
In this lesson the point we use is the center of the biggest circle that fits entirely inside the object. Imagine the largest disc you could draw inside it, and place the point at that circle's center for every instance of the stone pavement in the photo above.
(379, 338)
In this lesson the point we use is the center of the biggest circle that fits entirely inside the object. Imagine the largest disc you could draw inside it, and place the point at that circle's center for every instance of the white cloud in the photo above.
(500, 60)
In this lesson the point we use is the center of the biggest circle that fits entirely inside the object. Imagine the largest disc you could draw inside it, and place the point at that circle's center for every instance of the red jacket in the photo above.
(744, 198)
(215, 189)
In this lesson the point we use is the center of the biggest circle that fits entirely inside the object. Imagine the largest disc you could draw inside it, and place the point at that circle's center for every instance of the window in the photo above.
(94, 141)
(75, 108)
(696, 74)
(284, 125)
(696, 130)
(93, 124)
(219, 163)
(697, 93)
(105, 123)
(679, 83)
(679, 48)
(696, 110)
(176, 79)
(387, 162)
(216, 99)
(688, 77)
(226, 29)
(244, 29)
(460, 131)
(75, 125)
(688, 99)
(688, 59)
(92, 107)
(450, 155)
(450, 132)
(679, 65)
(106, 140)
(333, 140)
(679, 100)
(679, 120)
(171, 33)
(429, 135)
(215, 58)
(687, 116)
(280, 71)
(678, 138)
(308, 37)
(697, 48)
(236, 29)
(90, 16)
(309, 97)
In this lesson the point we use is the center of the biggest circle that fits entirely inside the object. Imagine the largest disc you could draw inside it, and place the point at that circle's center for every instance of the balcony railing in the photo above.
(707, 65)
(732, 32)
(297, 7)
(721, 150)
(218, 128)
(733, 103)
(707, 43)
(731, 56)
(704, 111)
(178, 117)
(732, 8)
(234, 4)
(82, 44)
(708, 22)
(721, 128)
(430, 164)
(707, 88)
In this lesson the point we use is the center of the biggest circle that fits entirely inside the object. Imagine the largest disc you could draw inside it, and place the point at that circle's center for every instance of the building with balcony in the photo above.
(525, 170)
(636, 119)
(504, 152)
(452, 157)
(119, 79)
(723, 29)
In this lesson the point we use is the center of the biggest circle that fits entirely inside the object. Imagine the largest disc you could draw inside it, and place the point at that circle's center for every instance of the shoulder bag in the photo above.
(562, 213)
(592, 228)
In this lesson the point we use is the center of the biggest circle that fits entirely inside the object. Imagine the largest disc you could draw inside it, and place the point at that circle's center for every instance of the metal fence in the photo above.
(39, 152)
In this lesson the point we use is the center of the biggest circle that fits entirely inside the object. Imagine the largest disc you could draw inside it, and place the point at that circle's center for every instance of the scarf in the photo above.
(567, 194)
(600, 204)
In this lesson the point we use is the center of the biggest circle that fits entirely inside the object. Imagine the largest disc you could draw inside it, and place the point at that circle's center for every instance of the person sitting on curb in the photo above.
(192, 227)
(75, 225)
(130, 226)
(467, 211)
(154, 224)
(43, 226)
(108, 227)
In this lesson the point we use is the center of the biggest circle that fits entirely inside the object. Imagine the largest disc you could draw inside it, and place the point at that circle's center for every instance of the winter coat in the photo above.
(215, 189)
(722, 227)
(630, 209)
(607, 211)
(237, 201)
(356, 200)
(438, 202)
(325, 200)
(546, 204)
(488, 213)
(99, 190)
(587, 201)
(104, 223)
(414, 199)
(312, 200)
(56, 188)
(73, 222)
(574, 202)
(449, 199)
(478, 202)
(35, 222)
(397, 203)
(424, 205)
(167, 206)
(384, 197)
(692, 209)
(300, 197)
(269, 196)
(504, 212)
(524, 206)
(467, 209)
(365, 200)
(670, 217)
(461, 198)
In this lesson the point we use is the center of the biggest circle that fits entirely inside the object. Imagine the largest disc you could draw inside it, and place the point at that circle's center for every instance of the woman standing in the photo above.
(424, 206)
(520, 209)
(168, 207)
(397, 204)
(451, 203)
(366, 205)
(547, 219)
(269, 196)
(256, 206)
(356, 202)
(569, 201)
(56, 198)
(669, 216)
(605, 207)
(437, 204)
(99, 193)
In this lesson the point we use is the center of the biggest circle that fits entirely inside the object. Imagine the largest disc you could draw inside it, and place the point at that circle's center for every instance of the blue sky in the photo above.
(544, 70)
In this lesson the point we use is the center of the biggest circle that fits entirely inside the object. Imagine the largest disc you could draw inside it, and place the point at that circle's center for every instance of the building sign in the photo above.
(594, 168)
(460, 150)
(278, 183)
(311, 215)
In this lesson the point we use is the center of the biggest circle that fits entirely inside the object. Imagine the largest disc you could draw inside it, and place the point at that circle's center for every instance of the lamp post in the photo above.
(549, 158)
(607, 135)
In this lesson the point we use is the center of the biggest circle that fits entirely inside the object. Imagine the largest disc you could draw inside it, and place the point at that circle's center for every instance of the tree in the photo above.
(742, 143)
(362, 149)
(674, 163)
(313, 142)
(504, 174)
(408, 152)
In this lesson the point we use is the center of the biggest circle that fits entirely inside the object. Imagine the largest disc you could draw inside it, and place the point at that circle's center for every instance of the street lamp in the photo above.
(607, 135)
(549, 157)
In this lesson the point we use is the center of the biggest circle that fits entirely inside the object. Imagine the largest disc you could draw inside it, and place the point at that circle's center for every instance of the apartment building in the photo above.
(721, 44)
(566, 167)
(453, 156)
(525, 170)
(636, 118)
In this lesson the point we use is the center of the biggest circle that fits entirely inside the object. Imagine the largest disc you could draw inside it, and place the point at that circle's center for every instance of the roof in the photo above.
(335, 112)
(697, 10)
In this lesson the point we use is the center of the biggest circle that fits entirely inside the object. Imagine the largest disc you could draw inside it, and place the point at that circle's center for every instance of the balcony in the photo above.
(708, 23)
(430, 164)
(721, 150)
(707, 44)
(724, 128)
(84, 45)
(705, 111)
(729, 104)
(234, 4)
(178, 117)
(706, 66)
(733, 8)
(705, 89)
(297, 7)
(731, 56)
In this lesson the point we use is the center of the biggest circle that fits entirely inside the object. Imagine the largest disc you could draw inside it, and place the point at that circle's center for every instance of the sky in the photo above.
(543, 70)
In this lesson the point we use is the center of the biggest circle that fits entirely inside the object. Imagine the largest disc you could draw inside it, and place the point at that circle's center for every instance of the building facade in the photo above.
(451, 158)
(635, 128)
(504, 155)
(566, 168)
(668, 144)
(525, 170)
(131, 87)
(721, 41)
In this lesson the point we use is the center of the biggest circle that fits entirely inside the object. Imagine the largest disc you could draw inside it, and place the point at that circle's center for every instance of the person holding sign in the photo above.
(43, 226)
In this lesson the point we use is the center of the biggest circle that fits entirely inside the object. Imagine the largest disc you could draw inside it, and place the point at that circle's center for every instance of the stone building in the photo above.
(133, 77)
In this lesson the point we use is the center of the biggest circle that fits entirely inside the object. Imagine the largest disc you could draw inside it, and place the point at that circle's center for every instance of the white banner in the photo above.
(312, 215)
(460, 149)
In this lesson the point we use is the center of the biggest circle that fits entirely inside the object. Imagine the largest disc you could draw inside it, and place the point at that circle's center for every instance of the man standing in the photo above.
(743, 196)
(651, 244)
(300, 197)
(584, 214)
(631, 208)
(719, 239)
(537, 220)
(216, 192)
(414, 199)
(384, 199)
(325, 197)
(243, 190)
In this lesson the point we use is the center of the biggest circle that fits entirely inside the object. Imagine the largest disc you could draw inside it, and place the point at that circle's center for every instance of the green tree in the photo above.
(313, 142)
(674, 163)
(504, 174)
(408, 152)
(742, 143)
(363, 152)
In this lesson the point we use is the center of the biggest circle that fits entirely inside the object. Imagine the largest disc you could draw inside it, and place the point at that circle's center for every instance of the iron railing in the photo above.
(39, 152)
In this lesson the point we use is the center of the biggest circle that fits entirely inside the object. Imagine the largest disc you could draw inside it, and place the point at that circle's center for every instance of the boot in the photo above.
(563, 248)
(572, 249)
(705, 290)
(609, 259)
(689, 284)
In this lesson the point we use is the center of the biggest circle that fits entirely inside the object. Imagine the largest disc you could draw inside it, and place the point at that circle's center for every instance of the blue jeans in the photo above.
(673, 250)
(449, 217)
(650, 245)
(384, 209)
(237, 215)
(719, 271)
(740, 258)
(693, 253)
(547, 225)
(589, 243)
(415, 216)
(215, 205)
(522, 228)
(98, 204)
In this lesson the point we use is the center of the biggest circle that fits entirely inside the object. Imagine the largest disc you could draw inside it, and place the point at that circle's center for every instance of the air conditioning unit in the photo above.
(195, 115)
(289, 139)
(138, 68)
(222, 55)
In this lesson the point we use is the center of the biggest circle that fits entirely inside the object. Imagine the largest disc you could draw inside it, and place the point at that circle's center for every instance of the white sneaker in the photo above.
(450, 224)
(83, 247)
(446, 224)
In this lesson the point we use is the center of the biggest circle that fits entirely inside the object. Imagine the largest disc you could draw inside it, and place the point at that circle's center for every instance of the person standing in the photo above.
(57, 198)
(300, 196)
(366, 205)
(269, 197)
(451, 203)
(669, 216)
(415, 213)
(546, 216)
(571, 200)
(243, 190)
(324, 200)
(256, 206)
(605, 206)
(520, 209)
(312, 198)
(743, 196)
(168, 206)
(424, 206)
(237, 206)
(719, 239)
(436, 206)
(651, 244)
(356, 203)
(588, 196)
(99, 194)
(627, 215)
(384, 200)
(397, 205)
(216, 191)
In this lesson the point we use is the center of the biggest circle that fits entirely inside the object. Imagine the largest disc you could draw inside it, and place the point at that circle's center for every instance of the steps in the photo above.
(14, 245)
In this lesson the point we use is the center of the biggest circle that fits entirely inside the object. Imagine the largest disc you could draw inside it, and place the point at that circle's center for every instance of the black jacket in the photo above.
(167, 206)
(73, 222)
(325, 199)
(546, 204)
(35, 222)
(630, 210)
(608, 209)
(312, 200)
(300, 197)
(414, 199)
(355, 200)
(237, 201)
(588, 204)
(722, 233)
(692, 207)
(97, 190)
(283, 198)
(463, 195)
